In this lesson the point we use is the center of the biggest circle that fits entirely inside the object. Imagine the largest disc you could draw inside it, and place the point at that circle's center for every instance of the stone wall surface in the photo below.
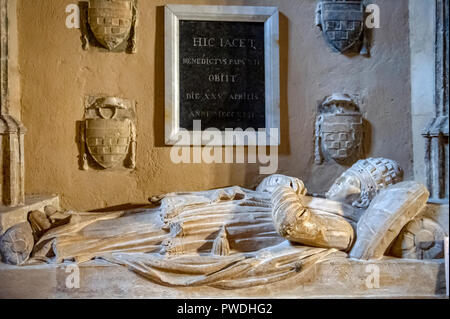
(56, 75)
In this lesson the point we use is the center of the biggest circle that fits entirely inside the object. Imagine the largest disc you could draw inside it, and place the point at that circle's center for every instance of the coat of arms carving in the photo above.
(110, 24)
(339, 130)
(108, 134)
(342, 24)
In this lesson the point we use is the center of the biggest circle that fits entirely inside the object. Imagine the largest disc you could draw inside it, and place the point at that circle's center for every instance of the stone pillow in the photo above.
(388, 213)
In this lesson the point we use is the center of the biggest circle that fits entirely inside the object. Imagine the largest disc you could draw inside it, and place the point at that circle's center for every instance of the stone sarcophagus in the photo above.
(110, 24)
(339, 130)
(108, 134)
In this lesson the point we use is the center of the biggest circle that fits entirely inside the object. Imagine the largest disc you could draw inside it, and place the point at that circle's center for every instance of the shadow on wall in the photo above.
(159, 102)
(249, 171)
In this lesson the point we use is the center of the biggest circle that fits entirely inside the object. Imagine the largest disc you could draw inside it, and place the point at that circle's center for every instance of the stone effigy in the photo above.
(229, 238)
(364, 180)
(298, 223)
(388, 213)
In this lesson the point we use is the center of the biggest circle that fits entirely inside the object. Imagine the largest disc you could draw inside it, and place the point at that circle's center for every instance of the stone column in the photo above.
(14, 206)
(428, 22)
(12, 186)
(436, 131)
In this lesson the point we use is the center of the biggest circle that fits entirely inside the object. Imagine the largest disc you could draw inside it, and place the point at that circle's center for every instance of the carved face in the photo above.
(269, 184)
(346, 188)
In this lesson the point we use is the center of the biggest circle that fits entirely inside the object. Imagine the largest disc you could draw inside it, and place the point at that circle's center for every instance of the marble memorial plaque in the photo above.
(222, 73)
(222, 80)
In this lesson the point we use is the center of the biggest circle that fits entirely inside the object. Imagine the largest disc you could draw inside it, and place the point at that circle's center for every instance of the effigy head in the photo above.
(360, 183)
(272, 182)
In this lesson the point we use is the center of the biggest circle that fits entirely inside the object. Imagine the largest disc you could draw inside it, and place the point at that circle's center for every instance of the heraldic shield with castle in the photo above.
(342, 24)
(108, 138)
(110, 24)
(339, 129)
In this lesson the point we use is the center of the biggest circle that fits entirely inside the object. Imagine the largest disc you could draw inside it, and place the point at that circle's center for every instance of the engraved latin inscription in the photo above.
(222, 76)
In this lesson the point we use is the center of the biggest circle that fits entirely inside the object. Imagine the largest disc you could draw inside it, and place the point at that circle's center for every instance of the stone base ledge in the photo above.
(10, 216)
(338, 278)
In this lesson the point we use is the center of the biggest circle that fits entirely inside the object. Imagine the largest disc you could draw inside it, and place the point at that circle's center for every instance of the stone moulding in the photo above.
(12, 162)
(345, 278)
(436, 131)
(270, 17)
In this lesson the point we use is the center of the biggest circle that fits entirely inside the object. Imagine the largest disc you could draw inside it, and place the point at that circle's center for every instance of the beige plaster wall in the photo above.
(56, 74)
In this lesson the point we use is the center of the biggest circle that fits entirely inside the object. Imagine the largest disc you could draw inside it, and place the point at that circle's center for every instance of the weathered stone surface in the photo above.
(16, 244)
(12, 163)
(108, 133)
(343, 24)
(339, 130)
(10, 216)
(382, 82)
(226, 239)
(110, 24)
(438, 212)
(297, 223)
(421, 238)
(388, 213)
(39, 223)
(364, 180)
(436, 132)
(341, 278)
(272, 182)
(436, 217)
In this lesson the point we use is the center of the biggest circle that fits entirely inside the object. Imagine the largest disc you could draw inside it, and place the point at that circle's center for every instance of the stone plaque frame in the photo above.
(270, 17)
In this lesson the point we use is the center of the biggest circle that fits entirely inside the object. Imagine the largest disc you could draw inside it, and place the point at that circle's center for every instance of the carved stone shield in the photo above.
(341, 134)
(342, 23)
(108, 140)
(110, 21)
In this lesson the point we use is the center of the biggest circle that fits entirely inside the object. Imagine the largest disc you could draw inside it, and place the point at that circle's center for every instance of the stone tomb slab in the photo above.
(337, 278)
